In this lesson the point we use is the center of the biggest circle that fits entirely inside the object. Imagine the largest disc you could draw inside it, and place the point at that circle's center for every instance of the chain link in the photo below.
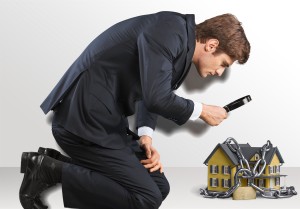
(250, 175)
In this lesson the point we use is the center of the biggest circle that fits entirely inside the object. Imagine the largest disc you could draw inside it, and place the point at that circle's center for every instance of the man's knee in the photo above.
(163, 184)
(164, 189)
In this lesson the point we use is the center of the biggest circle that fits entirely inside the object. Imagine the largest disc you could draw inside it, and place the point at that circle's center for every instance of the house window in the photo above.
(226, 183)
(214, 182)
(274, 169)
(270, 169)
(214, 169)
(256, 156)
(260, 168)
(226, 169)
(277, 181)
(277, 169)
(261, 183)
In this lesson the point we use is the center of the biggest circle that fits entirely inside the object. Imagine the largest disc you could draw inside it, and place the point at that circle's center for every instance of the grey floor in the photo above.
(185, 184)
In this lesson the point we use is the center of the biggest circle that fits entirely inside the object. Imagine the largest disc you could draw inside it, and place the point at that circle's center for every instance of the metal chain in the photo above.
(250, 175)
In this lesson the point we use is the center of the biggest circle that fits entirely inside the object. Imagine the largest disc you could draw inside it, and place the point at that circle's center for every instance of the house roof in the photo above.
(247, 151)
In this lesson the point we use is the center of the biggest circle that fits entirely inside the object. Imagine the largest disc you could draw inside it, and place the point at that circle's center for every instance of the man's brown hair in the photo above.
(230, 34)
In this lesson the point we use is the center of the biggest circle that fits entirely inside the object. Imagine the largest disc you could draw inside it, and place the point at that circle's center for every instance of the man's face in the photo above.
(207, 63)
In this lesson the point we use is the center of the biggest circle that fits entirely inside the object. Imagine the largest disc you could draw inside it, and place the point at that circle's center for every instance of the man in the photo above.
(140, 60)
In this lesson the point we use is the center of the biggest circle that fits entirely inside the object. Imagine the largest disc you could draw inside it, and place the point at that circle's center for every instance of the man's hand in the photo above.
(213, 115)
(153, 162)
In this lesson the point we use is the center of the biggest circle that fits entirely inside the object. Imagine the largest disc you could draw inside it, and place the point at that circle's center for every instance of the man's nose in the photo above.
(220, 71)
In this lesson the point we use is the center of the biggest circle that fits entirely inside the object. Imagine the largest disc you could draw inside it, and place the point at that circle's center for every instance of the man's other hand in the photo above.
(153, 162)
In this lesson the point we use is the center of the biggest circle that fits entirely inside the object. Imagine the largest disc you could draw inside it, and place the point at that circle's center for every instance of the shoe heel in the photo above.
(24, 161)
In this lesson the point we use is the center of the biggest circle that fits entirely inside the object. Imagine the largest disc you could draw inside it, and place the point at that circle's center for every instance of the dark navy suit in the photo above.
(140, 60)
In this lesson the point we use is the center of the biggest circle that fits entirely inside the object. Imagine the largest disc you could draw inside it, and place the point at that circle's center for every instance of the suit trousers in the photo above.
(107, 178)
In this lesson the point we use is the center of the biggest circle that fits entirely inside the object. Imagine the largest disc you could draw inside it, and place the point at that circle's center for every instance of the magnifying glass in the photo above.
(237, 103)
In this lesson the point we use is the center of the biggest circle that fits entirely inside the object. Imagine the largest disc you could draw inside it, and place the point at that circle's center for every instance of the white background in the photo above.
(39, 40)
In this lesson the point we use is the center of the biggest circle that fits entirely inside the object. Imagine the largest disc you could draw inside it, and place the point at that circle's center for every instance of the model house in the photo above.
(223, 163)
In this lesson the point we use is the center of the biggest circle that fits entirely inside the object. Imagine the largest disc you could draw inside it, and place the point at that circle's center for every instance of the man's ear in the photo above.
(211, 45)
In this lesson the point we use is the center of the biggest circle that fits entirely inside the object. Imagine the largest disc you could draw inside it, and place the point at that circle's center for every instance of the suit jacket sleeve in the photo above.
(144, 117)
(158, 48)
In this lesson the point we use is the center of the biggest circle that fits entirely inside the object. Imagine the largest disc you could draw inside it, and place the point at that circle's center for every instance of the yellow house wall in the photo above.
(243, 181)
(220, 158)
(275, 161)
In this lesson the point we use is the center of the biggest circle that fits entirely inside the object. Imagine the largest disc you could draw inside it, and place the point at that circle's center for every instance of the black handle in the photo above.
(237, 103)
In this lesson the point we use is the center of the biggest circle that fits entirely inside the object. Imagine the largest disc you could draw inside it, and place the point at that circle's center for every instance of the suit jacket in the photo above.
(140, 59)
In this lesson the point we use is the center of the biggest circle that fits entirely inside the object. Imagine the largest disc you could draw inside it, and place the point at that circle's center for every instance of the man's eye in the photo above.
(225, 66)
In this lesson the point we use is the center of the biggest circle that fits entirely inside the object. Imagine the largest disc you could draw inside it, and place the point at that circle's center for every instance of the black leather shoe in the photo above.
(54, 154)
(36, 179)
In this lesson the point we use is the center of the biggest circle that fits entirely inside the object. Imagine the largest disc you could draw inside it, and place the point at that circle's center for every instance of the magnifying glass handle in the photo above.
(237, 103)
